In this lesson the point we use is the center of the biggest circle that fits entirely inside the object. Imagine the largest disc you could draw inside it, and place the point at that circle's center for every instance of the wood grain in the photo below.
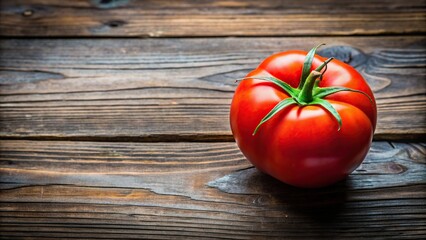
(199, 190)
(180, 89)
(92, 18)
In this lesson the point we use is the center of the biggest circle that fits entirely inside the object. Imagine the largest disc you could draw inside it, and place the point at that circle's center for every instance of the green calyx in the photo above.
(308, 92)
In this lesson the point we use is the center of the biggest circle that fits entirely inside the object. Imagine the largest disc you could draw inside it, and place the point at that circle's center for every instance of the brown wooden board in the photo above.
(180, 89)
(88, 18)
(60, 189)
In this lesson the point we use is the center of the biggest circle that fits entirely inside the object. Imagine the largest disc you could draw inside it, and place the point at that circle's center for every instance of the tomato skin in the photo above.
(301, 145)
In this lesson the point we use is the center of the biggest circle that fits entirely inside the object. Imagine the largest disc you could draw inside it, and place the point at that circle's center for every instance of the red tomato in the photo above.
(302, 143)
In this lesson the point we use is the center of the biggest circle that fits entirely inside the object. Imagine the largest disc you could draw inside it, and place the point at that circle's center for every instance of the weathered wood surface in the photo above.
(117, 105)
(98, 190)
(180, 89)
(210, 18)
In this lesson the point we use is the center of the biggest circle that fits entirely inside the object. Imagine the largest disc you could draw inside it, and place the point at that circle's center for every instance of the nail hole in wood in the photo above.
(115, 23)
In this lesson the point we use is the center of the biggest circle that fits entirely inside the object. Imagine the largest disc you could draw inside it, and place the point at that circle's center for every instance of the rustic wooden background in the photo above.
(114, 119)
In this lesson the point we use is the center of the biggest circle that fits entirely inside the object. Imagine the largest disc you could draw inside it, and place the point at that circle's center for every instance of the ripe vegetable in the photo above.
(303, 119)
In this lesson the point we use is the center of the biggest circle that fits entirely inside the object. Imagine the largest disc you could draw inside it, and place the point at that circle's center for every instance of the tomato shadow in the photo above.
(322, 205)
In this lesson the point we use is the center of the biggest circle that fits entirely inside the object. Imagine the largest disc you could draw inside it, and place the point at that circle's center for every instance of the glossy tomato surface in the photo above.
(301, 145)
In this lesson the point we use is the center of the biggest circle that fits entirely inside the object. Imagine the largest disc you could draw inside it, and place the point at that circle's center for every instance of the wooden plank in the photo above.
(200, 190)
(88, 18)
(180, 89)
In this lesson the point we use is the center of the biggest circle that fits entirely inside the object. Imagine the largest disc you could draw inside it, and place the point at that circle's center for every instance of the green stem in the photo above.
(305, 96)
(320, 67)
(306, 93)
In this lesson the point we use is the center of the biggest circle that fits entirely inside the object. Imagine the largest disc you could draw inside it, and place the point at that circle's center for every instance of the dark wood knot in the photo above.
(109, 3)
(347, 54)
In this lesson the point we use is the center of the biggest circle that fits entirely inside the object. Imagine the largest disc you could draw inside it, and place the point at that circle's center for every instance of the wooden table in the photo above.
(114, 119)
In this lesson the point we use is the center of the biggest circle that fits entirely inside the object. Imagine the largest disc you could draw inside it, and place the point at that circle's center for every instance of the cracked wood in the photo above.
(180, 89)
(97, 190)
(122, 18)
